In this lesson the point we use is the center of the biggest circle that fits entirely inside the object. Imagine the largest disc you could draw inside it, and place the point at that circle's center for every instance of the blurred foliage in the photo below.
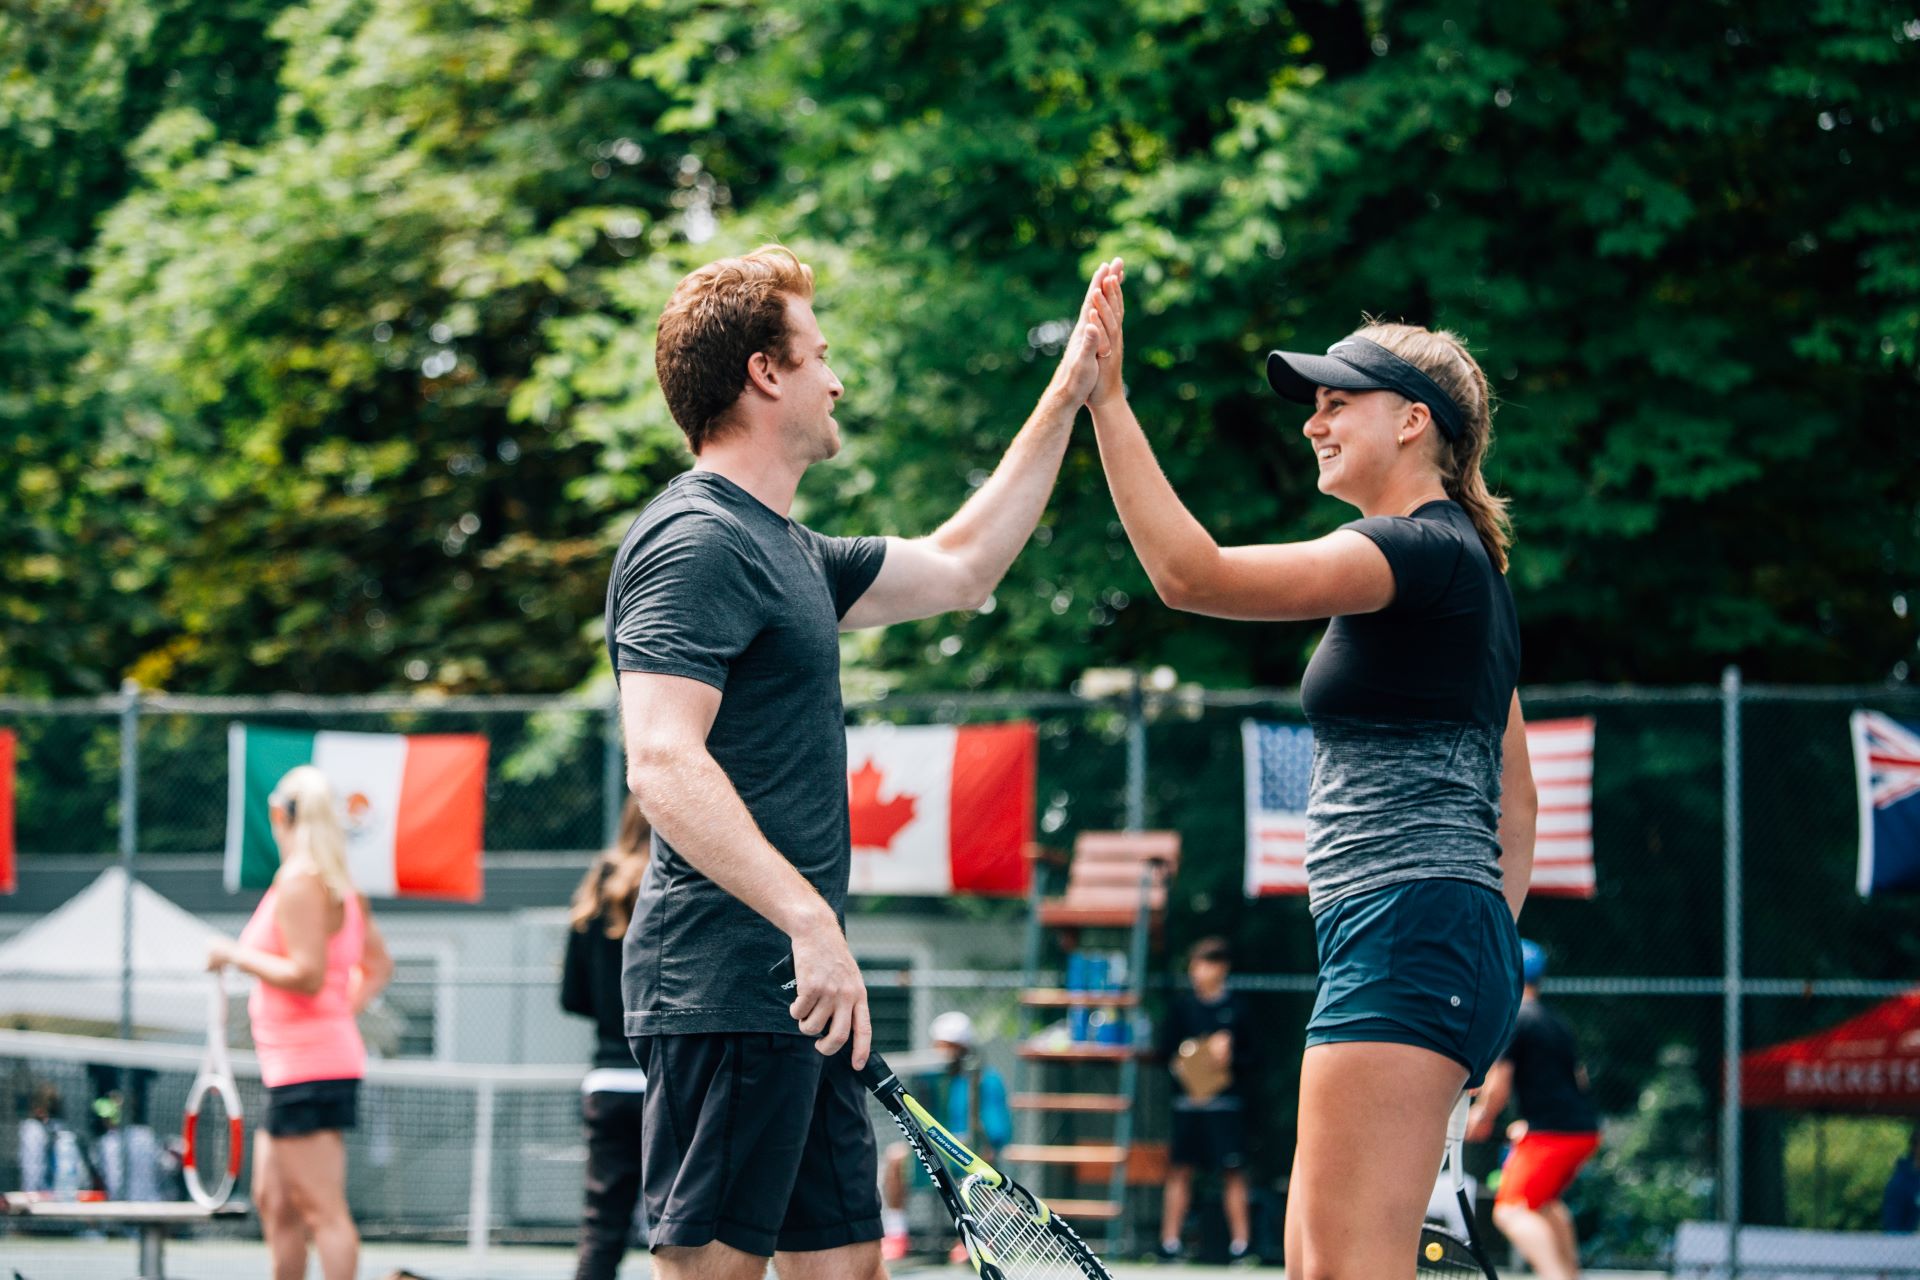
(325, 360)
(1837, 1169)
(1654, 1169)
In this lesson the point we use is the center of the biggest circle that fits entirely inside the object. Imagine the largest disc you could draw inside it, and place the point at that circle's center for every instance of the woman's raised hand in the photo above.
(1107, 306)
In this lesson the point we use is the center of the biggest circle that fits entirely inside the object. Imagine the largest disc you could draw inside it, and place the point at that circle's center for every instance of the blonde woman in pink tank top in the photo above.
(320, 959)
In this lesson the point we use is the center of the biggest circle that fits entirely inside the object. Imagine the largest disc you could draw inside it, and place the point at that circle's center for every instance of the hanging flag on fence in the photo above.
(412, 806)
(1562, 756)
(1886, 762)
(7, 882)
(1278, 759)
(940, 809)
(1279, 762)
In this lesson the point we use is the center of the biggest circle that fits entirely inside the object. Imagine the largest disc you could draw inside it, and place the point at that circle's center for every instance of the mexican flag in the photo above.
(411, 806)
(940, 809)
(7, 884)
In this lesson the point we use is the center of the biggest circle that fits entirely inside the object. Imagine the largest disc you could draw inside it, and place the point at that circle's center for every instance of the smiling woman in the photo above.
(1402, 368)
(1421, 807)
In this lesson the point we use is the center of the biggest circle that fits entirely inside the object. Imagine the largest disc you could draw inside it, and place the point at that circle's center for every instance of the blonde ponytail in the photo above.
(306, 797)
(1443, 356)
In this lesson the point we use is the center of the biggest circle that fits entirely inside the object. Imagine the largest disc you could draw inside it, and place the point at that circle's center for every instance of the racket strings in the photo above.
(1019, 1245)
(213, 1138)
(214, 1146)
(1444, 1257)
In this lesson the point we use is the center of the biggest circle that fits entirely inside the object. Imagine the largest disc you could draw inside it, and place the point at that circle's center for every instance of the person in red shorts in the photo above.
(1557, 1132)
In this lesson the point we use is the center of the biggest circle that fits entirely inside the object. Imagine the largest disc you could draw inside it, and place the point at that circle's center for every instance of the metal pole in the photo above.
(129, 841)
(1137, 756)
(129, 836)
(613, 773)
(480, 1190)
(1732, 913)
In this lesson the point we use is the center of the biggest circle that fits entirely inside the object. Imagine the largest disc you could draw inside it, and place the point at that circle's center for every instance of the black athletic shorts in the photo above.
(1209, 1139)
(295, 1110)
(756, 1141)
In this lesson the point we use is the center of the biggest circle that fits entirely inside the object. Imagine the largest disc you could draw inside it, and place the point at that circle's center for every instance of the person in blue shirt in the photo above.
(1900, 1203)
(984, 1121)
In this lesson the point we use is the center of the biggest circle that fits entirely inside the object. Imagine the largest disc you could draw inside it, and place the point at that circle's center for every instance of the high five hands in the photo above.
(1089, 371)
(1107, 307)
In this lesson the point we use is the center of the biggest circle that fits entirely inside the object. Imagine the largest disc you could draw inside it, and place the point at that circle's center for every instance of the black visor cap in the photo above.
(1356, 364)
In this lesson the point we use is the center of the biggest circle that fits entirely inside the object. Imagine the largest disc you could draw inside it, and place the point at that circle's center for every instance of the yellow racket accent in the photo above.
(955, 1151)
(1434, 1251)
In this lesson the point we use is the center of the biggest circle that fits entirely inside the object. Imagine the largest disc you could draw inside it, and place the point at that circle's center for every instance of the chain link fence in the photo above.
(1710, 803)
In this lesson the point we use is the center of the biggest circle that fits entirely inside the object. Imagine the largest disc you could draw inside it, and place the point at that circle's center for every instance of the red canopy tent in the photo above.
(1869, 1063)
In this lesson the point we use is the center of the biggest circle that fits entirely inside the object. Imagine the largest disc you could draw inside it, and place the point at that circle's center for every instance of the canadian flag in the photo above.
(940, 809)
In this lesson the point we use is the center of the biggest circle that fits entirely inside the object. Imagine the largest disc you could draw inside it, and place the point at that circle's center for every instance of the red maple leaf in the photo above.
(875, 824)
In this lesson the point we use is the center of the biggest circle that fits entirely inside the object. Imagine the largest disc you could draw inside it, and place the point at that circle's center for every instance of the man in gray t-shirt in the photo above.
(723, 616)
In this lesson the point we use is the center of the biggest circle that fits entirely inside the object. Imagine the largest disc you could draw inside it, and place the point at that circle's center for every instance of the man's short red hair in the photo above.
(718, 318)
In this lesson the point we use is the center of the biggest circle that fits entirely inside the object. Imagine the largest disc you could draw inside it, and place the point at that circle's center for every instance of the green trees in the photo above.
(328, 363)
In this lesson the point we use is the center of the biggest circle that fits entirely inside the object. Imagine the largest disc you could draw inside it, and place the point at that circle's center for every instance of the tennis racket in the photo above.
(1009, 1232)
(1442, 1253)
(211, 1134)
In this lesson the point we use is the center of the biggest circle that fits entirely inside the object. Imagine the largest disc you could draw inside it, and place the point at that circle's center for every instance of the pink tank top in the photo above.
(301, 1037)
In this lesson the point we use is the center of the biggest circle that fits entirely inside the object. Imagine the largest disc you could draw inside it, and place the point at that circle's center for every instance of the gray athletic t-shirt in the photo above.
(713, 585)
(1408, 707)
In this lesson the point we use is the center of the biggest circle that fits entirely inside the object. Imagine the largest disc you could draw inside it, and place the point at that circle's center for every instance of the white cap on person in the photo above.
(953, 1027)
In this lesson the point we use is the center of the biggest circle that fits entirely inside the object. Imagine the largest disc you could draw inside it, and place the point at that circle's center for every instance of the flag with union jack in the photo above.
(1278, 759)
(1886, 762)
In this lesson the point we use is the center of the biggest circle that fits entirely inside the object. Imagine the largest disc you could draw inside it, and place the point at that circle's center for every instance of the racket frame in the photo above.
(943, 1156)
(216, 1077)
(936, 1148)
(1456, 1170)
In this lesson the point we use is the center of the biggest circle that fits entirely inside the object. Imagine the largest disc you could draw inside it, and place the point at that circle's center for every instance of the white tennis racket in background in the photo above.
(213, 1130)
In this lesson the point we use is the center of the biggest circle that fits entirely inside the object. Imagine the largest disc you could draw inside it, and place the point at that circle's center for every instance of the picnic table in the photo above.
(153, 1218)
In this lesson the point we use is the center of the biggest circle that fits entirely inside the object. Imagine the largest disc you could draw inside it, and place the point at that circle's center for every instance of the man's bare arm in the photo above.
(692, 803)
(958, 565)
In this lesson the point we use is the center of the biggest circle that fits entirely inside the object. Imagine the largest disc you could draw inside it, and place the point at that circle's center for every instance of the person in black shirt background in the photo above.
(1557, 1132)
(1203, 1043)
(614, 1091)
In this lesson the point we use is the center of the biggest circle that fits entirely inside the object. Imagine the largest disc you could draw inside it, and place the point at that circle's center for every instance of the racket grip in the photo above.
(876, 1073)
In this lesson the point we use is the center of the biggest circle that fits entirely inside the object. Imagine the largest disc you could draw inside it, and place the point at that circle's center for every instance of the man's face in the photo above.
(809, 386)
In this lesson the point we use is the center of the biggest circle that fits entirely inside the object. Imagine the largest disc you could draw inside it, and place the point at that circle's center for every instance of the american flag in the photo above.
(1279, 762)
(1886, 760)
(1562, 756)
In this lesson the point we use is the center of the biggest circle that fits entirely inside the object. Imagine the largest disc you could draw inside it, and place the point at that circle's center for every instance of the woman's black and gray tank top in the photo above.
(1408, 706)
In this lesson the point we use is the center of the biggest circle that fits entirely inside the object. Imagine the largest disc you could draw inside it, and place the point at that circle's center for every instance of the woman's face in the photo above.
(1355, 438)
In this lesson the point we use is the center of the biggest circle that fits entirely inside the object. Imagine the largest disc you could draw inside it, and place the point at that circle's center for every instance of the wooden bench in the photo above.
(1700, 1250)
(1105, 877)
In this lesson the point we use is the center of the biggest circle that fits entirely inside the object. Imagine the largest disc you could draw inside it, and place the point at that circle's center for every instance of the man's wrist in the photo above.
(1058, 403)
(805, 914)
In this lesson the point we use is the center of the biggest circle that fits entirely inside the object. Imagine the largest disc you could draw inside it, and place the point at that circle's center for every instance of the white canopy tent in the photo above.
(63, 972)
